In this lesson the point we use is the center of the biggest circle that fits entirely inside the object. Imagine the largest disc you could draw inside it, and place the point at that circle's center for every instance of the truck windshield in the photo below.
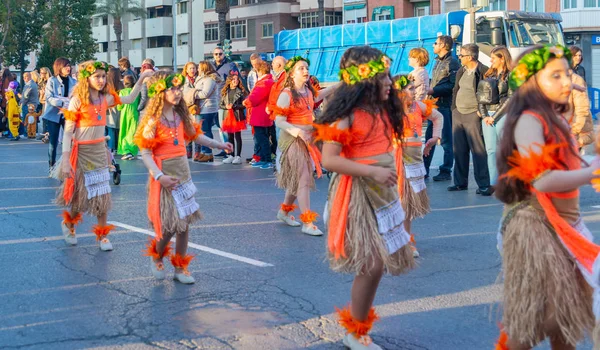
(533, 32)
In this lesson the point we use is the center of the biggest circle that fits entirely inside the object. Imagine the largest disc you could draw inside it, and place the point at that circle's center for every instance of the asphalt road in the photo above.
(260, 284)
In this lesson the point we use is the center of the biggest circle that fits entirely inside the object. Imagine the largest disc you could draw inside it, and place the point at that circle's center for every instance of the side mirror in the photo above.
(455, 31)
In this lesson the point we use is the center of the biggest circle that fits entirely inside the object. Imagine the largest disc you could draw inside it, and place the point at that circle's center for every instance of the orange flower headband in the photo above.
(173, 80)
(355, 74)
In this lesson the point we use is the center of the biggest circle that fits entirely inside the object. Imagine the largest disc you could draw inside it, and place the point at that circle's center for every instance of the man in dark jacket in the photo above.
(466, 128)
(223, 66)
(442, 83)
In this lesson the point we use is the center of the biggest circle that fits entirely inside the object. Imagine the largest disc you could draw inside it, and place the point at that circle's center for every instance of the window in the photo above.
(136, 44)
(182, 7)
(333, 18)
(569, 4)
(267, 30)
(490, 32)
(249, 2)
(238, 29)
(534, 5)
(160, 41)
(309, 19)
(234, 2)
(497, 5)
(102, 47)
(160, 11)
(590, 3)
(421, 11)
(211, 32)
(209, 4)
(100, 21)
(182, 39)
(385, 15)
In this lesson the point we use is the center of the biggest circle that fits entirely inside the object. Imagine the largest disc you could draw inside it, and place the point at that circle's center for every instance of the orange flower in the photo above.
(176, 81)
(346, 77)
(160, 87)
(557, 52)
(387, 63)
(364, 70)
(90, 68)
(521, 71)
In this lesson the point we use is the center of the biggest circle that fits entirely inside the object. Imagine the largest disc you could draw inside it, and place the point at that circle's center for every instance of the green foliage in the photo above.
(23, 32)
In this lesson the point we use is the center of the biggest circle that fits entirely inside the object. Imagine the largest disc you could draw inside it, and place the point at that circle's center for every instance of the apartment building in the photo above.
(152, 36)
(253, 23)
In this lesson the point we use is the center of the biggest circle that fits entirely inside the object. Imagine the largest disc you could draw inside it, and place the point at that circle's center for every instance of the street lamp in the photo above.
(174, 14)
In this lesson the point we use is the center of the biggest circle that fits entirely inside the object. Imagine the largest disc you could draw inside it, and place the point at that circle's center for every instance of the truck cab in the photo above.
(516, 30)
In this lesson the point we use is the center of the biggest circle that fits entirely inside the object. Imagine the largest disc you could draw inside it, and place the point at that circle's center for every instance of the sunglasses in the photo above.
(461, 56)
(218, 54)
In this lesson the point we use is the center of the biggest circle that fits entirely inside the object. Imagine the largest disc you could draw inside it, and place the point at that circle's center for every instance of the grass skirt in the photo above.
(169, 216)
(363, 243)
(90, 157)
(415, 205)
(543, 288)
(293, 158)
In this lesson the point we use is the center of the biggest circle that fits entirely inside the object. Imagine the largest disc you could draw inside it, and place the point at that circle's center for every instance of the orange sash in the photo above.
(69, 188)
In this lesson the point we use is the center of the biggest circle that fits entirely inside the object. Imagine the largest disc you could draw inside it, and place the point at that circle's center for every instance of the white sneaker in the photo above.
(237, 160)
(364, 343)
(288, 219)
(312, 230)
(184, 277)
(69, 234)
(228, 160)
(415, 251)
(157, 269)
(105, 245)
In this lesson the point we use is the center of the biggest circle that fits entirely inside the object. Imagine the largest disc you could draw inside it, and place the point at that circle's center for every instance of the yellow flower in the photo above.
(364, 70)
(160, 87)
(176, 81)
(521, 71)
(346, 77)
(90, 68)
(557, 52)
(387, 63)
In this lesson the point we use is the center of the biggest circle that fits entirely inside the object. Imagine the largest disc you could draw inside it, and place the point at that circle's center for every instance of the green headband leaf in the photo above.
(292, 62)
(402, 82)
(355, 74)
(173, 80)
(92, 68)
(534, 62)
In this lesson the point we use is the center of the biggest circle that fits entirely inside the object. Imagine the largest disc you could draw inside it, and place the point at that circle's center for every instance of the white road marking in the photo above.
(468, 207)
(54, 238)
(198, 246)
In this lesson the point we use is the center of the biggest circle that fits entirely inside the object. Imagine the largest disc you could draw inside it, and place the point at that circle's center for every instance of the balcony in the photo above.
(101, 56)
(154, 3)
(135, 57)
(162, 56)
(159, 26)
(100, 33)
(581, 19)
(183, 54)
(135, 29)
(182, 24)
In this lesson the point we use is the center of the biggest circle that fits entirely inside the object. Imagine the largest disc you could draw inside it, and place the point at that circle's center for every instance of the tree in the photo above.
(321, 13)
(117, 9)
(5, 15)
(24, 32)
(68, 32)
(222, 8)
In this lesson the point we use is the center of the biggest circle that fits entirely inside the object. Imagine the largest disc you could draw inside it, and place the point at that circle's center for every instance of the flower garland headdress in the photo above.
(534, 62)
(292, 62)
(91, 69)
(173, 80)
(355, 74)
(402, 82)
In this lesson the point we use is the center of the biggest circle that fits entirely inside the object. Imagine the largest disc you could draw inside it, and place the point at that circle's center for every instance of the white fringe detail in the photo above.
(389, 216)
(55, 171)
(149, 129)
(326, 214)
(183, 195)
(417, 185)
(96, 176)
(414, 170)
(396, 238)
(278, 160)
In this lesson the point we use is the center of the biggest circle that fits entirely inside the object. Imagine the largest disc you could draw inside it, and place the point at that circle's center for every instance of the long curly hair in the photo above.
(227, 85)
(81, 90)
(528, 97)
(289, 84)
(364, 94)
(156, 104)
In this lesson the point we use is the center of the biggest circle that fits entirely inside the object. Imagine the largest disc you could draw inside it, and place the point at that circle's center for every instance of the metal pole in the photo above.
(174, 13)
(472, 11)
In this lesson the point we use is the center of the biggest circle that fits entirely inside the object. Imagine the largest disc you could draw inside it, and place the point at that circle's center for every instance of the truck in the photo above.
(324, 46)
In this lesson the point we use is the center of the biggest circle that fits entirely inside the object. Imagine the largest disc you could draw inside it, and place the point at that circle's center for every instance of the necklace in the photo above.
(306, 99)
(413, 126)
(174, 135)
(98, 116)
